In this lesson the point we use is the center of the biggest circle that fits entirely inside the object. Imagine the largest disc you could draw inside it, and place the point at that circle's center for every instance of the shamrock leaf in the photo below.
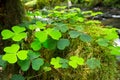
(85, 38)
(22, 54)
(55, 34)
(41, 35)
(11, 58)
(37, 63)
(6, 34)
(75, 61)
(74, 34)
(103, 42)
(63, 43)
(56, 62)
(12, 49)
(24, 64)
(36, 45)
(93, 63)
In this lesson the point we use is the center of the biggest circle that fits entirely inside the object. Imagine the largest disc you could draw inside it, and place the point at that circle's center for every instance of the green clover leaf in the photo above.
(85, 38)
(12, 53)
(37, 63)
(6, 34)
(74, 34)
(75, 61)
(55, 34)
(103, 42)
(56, 62)
(93, 63)
(41, 35)
(11, 58)
(24, 64)
(63, 43)
(17, 35)
(36, 45)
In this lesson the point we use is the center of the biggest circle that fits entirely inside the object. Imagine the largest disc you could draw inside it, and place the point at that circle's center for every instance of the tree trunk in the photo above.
(11, 13)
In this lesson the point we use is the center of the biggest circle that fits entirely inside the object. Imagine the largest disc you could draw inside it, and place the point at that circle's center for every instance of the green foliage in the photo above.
(17, 77)
(114, 50)
(69, 35)
(74, 34)
(93, 63)
(85, 38)
(63, 43)
(16, 35)
(56, 62)
(75, 61)
(37, 63)
(103, 42)
(33, 59)
(3, 63)
(13, 52)
(36, 45)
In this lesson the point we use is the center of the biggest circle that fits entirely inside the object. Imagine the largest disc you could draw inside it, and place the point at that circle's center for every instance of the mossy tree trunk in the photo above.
(11, 13)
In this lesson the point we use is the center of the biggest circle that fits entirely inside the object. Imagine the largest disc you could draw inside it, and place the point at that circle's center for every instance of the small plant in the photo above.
(46, 40)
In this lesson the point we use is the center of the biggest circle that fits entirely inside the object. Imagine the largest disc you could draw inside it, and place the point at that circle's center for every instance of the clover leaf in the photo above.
(55, 34)
(36, 45)
(75, 61)
(7, 34)
(17, 35)
(56, 62)
(103, 42)
(74, 34)
(40, 25)
(64, 63)
(85, 38)
(41, 35)
(24, 64)
(37, 63)
(63, 43)
(93, 63)
(12, 53)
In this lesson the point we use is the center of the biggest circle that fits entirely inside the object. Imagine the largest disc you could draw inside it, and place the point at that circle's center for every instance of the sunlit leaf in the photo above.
(12, 49)
(40, 25)
(11, 58)
(56, 62)
(55, 34)
(36, 45)
(19, 37)
(63, 43)
(41, 35)
(75, 61)
(114, 50)
(6, 34)
(18, 29)
(22, 55)
(32, 27)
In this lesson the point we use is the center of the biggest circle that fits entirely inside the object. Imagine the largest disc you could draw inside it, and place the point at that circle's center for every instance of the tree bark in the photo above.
(11, 13)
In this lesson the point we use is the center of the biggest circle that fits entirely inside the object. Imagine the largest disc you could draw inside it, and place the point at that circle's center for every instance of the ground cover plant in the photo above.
(61, 44)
